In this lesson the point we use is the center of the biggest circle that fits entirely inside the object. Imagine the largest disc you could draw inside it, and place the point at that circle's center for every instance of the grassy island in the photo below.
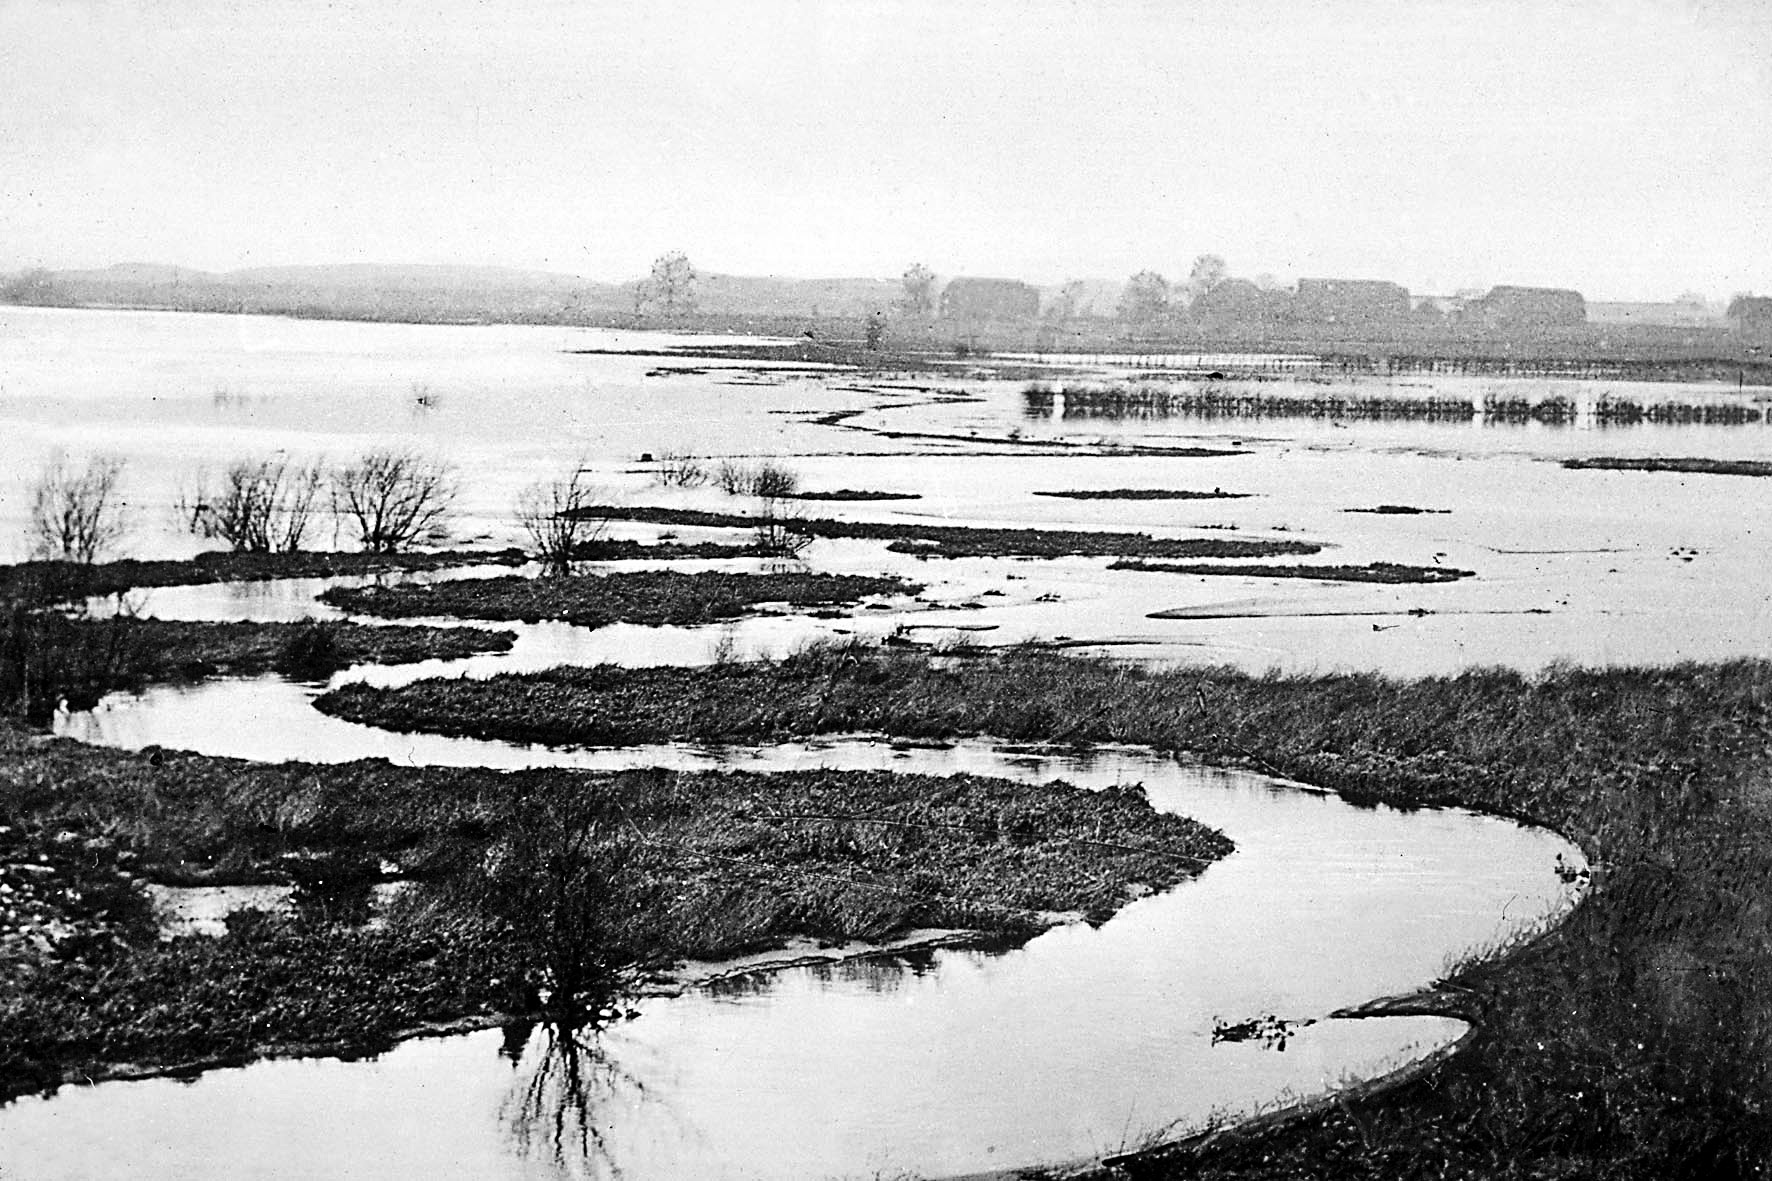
(591, 600)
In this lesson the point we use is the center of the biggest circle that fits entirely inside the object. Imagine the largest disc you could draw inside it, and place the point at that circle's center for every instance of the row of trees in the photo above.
(387, 500)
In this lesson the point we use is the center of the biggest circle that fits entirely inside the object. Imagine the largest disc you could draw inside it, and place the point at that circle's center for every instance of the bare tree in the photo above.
(258, 506)
(919, 291)
(393, 498)
(554, 513)
(78, 516)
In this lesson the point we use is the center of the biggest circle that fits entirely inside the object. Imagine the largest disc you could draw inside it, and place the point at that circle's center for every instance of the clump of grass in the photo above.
(312, 652)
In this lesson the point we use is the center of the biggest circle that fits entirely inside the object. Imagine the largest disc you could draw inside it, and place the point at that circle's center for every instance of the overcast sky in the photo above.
(1622, 146)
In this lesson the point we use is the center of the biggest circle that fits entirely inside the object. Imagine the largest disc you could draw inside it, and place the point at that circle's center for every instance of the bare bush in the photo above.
(768, 479)
(553, 514)
(776, 532)
(393, 498)
(677, 470)
(258, 505)
(78, 516)
(732, 477)
(774, 481)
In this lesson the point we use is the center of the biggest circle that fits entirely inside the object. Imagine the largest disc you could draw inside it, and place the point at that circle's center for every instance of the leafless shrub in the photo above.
(78, 516)
(767, 479)
(393, 498)
(775, 532)
(732, 477)
(677, 470)
(552, 513)
(258, 505)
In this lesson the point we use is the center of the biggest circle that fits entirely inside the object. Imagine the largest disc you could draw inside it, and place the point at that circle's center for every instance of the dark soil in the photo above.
(646, 597)
(1385, 572)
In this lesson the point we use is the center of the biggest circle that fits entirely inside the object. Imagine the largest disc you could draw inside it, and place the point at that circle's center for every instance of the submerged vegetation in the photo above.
(591, 600)
(1145, 494)
(1384, 572)
(959, 541)
(1690, 466)
(1161, 399)
(1633, 1041)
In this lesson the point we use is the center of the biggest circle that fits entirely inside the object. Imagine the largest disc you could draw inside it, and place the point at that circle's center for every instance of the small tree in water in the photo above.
(78, 516)
(393, 498)
(553, 514)
(259, 505)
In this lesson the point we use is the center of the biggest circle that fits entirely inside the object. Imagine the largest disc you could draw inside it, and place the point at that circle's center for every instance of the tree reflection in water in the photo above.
(568, 1090)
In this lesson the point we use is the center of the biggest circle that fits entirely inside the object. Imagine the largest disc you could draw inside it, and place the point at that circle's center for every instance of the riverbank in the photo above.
(1632, 1041)
(662, 866)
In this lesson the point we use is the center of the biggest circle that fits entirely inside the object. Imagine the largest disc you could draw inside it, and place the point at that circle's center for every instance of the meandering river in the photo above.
(950, 1060)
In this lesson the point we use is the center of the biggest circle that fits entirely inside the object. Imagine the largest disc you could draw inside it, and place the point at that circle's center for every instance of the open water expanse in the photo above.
(1083, 1041)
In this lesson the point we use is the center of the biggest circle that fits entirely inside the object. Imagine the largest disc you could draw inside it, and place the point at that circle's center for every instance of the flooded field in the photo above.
(1082, 1042)
(1589, 566)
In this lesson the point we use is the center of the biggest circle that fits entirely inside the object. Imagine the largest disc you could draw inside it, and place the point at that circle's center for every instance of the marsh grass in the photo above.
(1633, 1041)
(537, 892)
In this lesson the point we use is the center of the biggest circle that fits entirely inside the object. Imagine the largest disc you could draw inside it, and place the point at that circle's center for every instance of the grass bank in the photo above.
(959, 541)
(646, 597)
(1635, 1041)
(73, 580)
(523, 880)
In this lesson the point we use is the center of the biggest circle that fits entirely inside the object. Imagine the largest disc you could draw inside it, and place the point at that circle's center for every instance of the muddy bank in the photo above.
(959, 541)
(590, 600)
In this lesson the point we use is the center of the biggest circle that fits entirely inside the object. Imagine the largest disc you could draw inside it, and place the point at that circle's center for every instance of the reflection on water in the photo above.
(1078, 1042)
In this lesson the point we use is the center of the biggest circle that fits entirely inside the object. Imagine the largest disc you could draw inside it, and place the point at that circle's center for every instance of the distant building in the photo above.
(1750, 316)
(1351, 301)
(989, 300)
(1531, 307)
